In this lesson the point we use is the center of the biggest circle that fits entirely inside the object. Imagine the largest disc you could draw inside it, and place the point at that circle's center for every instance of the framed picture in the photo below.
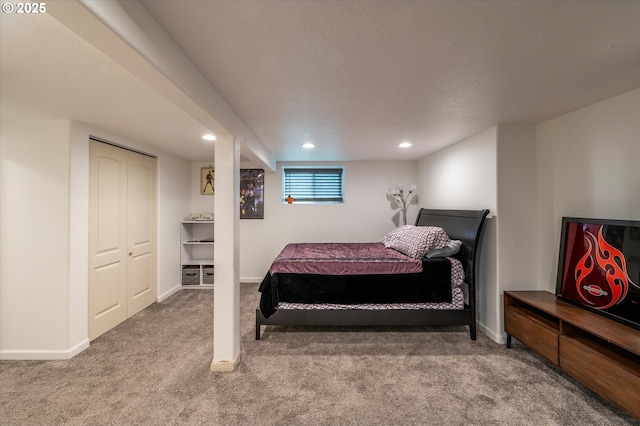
(599, 267)
(207, 180)
(251, 194)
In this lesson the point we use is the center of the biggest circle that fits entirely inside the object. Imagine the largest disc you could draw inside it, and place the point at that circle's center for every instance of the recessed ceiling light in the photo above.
(404, 144)
(209, 137)
(308, 145)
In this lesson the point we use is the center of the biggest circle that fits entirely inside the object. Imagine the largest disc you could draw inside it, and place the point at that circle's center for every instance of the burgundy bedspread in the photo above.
(343, 259)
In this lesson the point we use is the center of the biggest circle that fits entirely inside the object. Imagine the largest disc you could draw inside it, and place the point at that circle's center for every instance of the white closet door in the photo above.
(142, 225)
(108, 254)
(122, 223)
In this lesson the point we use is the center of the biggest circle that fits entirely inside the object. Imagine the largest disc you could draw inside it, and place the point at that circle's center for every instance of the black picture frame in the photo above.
(599, 267)
(207, 180)
(251, 193)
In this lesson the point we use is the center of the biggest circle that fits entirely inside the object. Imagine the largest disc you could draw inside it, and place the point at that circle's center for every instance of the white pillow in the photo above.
(416, 241)
(450, 249)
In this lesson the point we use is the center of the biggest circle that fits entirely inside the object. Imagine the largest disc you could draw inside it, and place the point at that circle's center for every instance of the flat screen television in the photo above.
(599, 267)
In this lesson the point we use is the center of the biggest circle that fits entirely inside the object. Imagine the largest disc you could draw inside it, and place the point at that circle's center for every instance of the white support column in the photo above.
(226, 306)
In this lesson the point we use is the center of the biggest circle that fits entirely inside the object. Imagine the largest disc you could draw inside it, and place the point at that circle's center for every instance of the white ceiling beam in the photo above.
(129, 35)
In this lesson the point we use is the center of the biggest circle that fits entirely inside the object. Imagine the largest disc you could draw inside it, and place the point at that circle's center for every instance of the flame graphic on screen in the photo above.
(584, 267)
(608, 259)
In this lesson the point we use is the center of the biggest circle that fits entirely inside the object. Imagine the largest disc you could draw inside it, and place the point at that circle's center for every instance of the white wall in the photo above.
(173, 203)
(588, 165)
(461, 176)
(44, 227)
(583, 164)
(34, 225)
(464, 176)
(78, 237)
(516, 237)
(365, 216)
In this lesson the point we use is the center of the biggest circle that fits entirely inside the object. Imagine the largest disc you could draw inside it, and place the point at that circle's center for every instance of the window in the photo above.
(313, 184)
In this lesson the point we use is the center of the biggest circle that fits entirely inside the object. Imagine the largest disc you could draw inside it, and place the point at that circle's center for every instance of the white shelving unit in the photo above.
(196, 253)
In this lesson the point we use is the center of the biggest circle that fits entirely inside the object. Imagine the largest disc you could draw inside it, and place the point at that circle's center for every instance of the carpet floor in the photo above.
(153, 369)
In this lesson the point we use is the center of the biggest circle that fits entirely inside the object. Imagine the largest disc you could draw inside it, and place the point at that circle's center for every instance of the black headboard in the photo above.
(464, 225)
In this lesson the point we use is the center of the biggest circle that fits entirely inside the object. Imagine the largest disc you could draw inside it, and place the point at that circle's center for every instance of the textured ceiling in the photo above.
(355, 77)
(358, 77)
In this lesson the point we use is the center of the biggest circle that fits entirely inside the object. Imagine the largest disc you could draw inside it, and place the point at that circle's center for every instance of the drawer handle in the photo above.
(191, 275)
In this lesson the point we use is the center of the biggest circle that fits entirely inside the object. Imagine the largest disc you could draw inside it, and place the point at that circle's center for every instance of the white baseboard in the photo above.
(44, 354)
(491, 334)
(251, 280)
(168, 294)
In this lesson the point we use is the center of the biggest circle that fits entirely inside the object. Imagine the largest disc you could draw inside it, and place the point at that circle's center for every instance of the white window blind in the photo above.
(313, 185)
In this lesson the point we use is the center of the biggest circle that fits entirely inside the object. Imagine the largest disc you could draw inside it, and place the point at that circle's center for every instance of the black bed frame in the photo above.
(465, 225)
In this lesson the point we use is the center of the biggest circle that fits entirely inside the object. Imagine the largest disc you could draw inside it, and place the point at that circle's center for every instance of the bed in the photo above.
(309, 298)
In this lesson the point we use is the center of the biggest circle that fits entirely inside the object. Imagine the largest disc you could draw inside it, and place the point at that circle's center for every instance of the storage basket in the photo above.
(207, 274)
(191, 275)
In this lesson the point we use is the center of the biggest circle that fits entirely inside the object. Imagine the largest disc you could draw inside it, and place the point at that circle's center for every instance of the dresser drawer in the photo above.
(619, 382)
(534, 332)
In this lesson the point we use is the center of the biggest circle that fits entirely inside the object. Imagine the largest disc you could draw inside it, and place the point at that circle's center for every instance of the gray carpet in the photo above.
(154, 369)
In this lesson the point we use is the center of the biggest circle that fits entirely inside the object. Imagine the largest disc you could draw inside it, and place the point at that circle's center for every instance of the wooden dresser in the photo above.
(602, 354)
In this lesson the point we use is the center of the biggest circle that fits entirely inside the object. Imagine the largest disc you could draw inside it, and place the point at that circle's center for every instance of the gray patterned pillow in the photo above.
(416, 241)
(389, 238)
